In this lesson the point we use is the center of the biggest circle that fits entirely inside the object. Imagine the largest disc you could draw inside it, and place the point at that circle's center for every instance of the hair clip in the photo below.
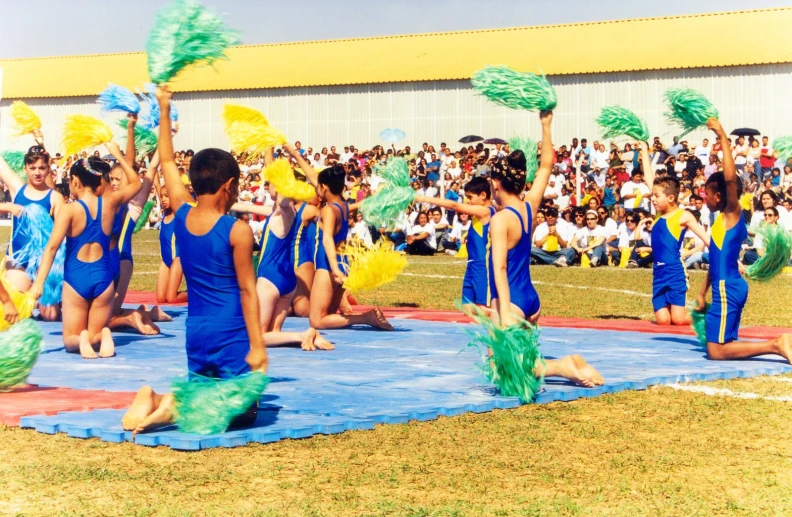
(89, 168)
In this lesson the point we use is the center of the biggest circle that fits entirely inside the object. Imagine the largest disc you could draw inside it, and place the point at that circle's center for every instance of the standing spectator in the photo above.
(712, 166)
(635, 193)
(740, 154)
(767, 158)
(675, 148)
(702, 152)
(692, 165)
(551, 242)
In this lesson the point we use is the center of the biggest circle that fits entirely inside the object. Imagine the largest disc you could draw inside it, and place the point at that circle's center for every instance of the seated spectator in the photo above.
(611, 231)
(590, 240)
(551, 242)
(359, 231)
(753, 253)
(693, 248)
(457, 235)
(440, 225)
(642, 248)
(421, 238)
(398, 233)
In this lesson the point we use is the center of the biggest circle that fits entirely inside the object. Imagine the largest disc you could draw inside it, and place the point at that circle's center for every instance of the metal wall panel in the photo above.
(436, 111)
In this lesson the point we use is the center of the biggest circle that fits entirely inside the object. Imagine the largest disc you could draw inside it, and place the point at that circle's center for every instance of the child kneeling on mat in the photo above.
(224, 338)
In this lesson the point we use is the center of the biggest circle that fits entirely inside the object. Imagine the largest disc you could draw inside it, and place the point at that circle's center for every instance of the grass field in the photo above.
(663, 451)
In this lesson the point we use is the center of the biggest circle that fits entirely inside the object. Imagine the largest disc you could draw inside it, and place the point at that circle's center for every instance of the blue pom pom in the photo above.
(151, 117)
(35, 228)
(118, 98)
(174, 112)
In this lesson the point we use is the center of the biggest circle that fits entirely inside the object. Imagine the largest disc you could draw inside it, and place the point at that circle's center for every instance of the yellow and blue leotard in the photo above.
(304, 239)
(669, 280)
(476, 286)
(729, 288)
(277, 263)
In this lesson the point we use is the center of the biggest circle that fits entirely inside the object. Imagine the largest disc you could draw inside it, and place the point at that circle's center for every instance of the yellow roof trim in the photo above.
(694, 41)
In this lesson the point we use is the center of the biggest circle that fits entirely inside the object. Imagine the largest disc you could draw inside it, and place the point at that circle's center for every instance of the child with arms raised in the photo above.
(729, 288)
(224, 339)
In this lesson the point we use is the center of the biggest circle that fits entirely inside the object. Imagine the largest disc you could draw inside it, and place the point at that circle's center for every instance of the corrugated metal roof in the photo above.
(706, 40)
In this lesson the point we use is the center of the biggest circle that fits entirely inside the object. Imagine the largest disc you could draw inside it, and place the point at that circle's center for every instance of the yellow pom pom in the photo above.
(23, 302)
(82, 132)
(373, 267)
(280, 174)
(25, 119)
(249, 131)
(746, 201)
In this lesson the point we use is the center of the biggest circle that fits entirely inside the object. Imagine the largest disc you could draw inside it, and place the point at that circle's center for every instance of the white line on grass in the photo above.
(780, 379)
(706, 390)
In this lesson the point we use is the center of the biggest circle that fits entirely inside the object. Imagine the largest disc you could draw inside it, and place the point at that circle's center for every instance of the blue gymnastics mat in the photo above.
(418, 372)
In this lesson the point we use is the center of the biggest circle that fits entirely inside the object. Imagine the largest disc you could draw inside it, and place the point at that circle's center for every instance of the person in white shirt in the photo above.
(454, 169)
(554, 184)
(702, 152)
(631, 190)
(421, 238)
(457, 236)
(346, 155)
(590, 240)
(611, 230)
(769, 199)
(551, 241)
(562, 201)
(770, 215)
(599, 159)
(360, 232)
(740, 154)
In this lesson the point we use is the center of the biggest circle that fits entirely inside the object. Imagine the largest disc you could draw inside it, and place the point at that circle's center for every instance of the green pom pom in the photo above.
(777, 243)
(689, 109)
(699, 324)
(185, 33)
(144, 215)
(617, 121)
(16, 161)
(530, 149)
(387, 205)
(515, 355)
(145, 139)
(19, 349)
(515, 90)
(208, 406)
(782, 145)
(395, 173)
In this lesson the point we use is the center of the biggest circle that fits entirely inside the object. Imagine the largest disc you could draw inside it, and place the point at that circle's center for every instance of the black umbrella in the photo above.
(746, 131)
(470, 139)
(495, 141)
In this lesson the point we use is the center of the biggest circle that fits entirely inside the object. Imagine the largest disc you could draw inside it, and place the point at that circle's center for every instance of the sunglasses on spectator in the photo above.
(591, 218)
(578, 215)
(634, 221)
(769, 214)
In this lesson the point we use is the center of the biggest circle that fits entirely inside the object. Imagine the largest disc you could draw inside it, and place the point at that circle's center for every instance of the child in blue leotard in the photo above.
(37, 190)
(669, 279)
(170, 274)
(87, 277)
(513, 295)
(224, 338)
(476, 287)
(327, 292)
(304, 251)
(729, 288)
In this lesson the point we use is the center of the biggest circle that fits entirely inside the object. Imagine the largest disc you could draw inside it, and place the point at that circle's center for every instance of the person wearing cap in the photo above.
(551, 241)
(590, 240)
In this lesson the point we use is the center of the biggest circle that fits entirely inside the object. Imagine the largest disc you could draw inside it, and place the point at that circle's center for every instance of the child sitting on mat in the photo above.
(224, 338)
(729, 288)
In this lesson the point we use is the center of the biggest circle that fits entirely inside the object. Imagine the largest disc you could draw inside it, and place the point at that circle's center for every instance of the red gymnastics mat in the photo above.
(35, 400)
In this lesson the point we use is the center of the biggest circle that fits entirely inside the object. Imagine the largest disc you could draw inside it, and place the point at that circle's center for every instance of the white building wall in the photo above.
(434, 111)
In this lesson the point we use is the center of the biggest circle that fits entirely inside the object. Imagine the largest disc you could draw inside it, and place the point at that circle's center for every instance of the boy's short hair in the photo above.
(478, 185)
(210, 169)
(696, 197)
(670, 185)
(435, 210)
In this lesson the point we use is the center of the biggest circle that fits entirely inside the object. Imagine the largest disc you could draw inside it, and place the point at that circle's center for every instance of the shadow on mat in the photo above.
(616, 317)
(119, 340)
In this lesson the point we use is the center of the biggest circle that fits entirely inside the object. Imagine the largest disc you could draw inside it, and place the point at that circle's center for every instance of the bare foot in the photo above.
(86, 350)
(157, 314)
(107, 347)
(308, 340)
(141, 407)
(784, 344)
(379, 320)
(161, 417)
(577, 370)
(142, 323)
(322, 344)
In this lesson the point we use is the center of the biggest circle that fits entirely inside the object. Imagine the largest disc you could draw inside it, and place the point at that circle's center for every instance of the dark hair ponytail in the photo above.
(334, 178)
(35, 154)
(90, 171)
(511, 172)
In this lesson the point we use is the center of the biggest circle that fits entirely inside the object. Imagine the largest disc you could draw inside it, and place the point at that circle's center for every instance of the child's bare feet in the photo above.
(86, 350)
(377, 319)
(157, 314)
(784, 344)
(141, 322)
(322, 344)
(308, 340)
(141, 407)
(577, 370)
(161, 417)
(107, 347)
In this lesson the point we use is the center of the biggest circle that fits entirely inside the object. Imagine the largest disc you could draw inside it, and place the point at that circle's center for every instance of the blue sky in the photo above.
(38, 28)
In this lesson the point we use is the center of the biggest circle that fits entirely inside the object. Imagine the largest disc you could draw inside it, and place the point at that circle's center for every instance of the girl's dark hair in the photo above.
(333, 178)
(35, 154)
(90, 171)
(717, 183)
(511, 172)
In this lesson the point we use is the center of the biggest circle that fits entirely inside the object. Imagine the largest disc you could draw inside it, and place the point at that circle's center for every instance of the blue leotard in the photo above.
(217, 339)
(123, 227)
(89, 279)
(476, 286)
(277, 262)
(669, 280)
(167, 238)
(320, 257)
(729, 288)
(304, 240)
(17, 240)
(518, 261)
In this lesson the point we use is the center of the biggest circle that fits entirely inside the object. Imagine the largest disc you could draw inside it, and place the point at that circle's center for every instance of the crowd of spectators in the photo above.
(596, 209)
